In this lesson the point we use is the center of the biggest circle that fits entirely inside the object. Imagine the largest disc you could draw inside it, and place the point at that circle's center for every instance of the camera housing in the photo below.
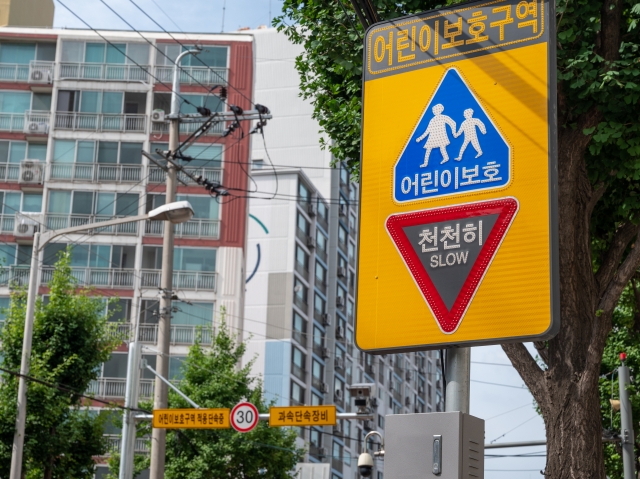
(362, 393)
(365, 464)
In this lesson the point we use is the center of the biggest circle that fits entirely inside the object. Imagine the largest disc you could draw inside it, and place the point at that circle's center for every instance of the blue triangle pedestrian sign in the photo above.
(455, 148)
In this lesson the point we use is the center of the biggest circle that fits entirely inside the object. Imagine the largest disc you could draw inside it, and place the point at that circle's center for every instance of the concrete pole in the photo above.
(626, 422)
(160, 397)
(21, 416)
(127, 445)
(458, 376)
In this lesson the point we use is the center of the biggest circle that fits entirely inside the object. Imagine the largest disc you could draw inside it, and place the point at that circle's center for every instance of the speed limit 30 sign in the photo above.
(244, 417)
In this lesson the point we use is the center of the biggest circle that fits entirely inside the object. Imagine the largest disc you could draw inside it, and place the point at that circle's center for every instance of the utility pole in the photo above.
(626, 421)
(127, 444)
(160, 396)
(458, 377)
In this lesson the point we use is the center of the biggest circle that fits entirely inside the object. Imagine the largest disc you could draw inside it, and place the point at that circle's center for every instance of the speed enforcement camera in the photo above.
(362, 393)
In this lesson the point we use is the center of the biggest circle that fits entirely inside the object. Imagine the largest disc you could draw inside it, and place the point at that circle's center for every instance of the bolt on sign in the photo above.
(458, 223)
(191, 419)
(302, 416)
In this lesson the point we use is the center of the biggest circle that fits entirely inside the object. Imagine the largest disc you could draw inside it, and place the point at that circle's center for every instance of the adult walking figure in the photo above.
(438, 136)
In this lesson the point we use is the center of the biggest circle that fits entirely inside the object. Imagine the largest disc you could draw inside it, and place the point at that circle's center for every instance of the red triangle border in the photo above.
(449, 321)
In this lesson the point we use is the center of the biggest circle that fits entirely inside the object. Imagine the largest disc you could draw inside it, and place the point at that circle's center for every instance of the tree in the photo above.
(71, 338)
(599, 168)
(212, 379)
(624, 337)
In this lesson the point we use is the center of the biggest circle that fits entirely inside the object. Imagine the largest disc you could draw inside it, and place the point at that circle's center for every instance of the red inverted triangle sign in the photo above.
(448, 251)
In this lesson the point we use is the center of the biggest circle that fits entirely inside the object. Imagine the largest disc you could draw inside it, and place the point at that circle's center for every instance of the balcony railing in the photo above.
(12, 122)
(115, 441)
(95, 172)
(158, 175)
(59, 221)
(126, 122)
(14, 276)
(9, 172)
(195, 228)
(192, 280)
(34, 72)
(7, 223)
(193, 75)
(180, 334)
(115, 388)
(104, 71)
(101, 277)
(36, 122)
(162, 128)
(299, 372)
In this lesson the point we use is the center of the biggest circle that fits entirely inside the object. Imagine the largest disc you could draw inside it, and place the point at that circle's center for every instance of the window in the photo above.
(342, 262)
(15, 202)
(351, 251)
(93, 255)
(316, 400)
(300, 292)
(15, 255)
(204, 207)
(318, 337)
(317, 371)
(212, 56)
(162, 101)
(299, 360)
(321, 274)
(350, 311)
(344, 175)
(338, 385)
(315, 438)
(342, 296)
(203, 154)
(14, 102)
(303, 224)
(16, 151)
(98, 52)
(303, 193)
(342, 236)
(299, 328)
(104, 152)
(380, 421)
(337, 451)
(175, 367)
(184, 259)
(319, 305)
(323, 211)
(302, 259)
(92, 203)
(297, 393)
(321, 244)
(23, 53)
(352, 224)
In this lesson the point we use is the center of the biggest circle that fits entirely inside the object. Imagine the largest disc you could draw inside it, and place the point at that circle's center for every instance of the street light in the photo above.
(176, 212)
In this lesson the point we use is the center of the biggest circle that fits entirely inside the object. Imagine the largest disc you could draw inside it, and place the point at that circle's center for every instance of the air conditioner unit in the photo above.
(312, 209)
(390, 361)
(407, 401)
(31, 172)
(37, 75)
(325, 352)
(339, 301)
(417, 410)
(324, 388)
(338, 393)
(337, 429)
(326, 319)
(342, 211)
(157, 116)
(322, 452)
(340, 332)
(368, 425)
(374, 402)
(25, 225)
(339, 363)
(421, 370)
(36, 128)
(409, 375)
(420, 390)
(342, 272)
(311, 242)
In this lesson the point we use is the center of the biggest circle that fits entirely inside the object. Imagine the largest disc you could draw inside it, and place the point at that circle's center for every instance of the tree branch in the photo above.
(528, 369)
(541, 347)
(627, 269)
(625, 233)
(610, 32)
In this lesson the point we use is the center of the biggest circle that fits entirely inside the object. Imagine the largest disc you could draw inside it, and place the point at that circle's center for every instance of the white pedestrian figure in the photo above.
(438, 136)
(468, 127)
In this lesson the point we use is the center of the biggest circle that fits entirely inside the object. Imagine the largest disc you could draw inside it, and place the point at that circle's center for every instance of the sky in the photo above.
(200, 16)
(508, 409)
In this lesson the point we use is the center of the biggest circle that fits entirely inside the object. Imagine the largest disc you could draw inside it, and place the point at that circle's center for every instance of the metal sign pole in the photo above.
(458, 376)
(626, 421)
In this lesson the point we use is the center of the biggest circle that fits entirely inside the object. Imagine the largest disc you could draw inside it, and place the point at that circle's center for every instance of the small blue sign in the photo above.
(455, 148)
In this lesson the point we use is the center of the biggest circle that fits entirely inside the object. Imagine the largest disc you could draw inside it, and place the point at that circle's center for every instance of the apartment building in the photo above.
(76, 112)
(301, 276)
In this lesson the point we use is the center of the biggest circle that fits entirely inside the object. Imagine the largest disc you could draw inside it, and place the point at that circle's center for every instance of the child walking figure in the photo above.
(438, 136)
(468, 127)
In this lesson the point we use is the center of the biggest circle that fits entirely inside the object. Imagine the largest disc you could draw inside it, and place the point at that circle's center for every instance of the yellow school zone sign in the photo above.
(458, 218)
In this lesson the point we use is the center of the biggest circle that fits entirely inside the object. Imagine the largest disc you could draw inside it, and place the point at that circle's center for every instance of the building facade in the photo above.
(301, 266)
(76, 112)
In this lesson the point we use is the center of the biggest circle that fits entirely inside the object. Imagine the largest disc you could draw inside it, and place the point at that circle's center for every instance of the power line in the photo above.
(523, 388)
(513, 429)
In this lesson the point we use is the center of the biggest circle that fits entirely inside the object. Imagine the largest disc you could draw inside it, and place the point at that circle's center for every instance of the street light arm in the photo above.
(49, 235)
